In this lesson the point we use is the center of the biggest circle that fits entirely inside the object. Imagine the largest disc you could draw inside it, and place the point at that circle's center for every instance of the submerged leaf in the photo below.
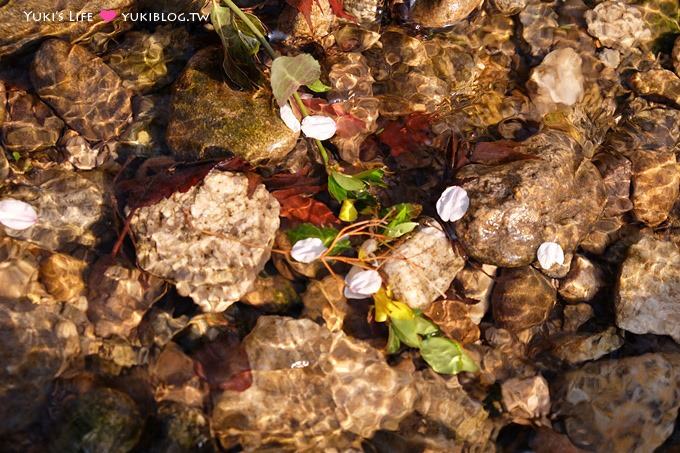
(445, 356)
(240, 45)
(290, 73)
(318, 86)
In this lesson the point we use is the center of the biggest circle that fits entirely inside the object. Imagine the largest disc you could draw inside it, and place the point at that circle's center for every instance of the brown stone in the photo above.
(88, 95)
(522, 298)
(29, 125)
(210, 119)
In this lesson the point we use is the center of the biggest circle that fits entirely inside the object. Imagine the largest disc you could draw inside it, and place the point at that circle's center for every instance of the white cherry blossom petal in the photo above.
(453, 204)
(549, 254)
(308, 250)
(289, 118)
(319, 127)
(16, 214)
(361, 284)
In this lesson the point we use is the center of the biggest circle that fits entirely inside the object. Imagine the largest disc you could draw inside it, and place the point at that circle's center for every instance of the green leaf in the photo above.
(410, 330)
(374, 177)
(347, 182)
(400, 229)
(318, 86)
(16, 156)
(393, 343)
(290, 73)
(446, 356)
(240, 45)
(336, 189)
(348, 213)
(405, 330)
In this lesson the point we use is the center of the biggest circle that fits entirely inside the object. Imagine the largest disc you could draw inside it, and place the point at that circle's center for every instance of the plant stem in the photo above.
(274, 54)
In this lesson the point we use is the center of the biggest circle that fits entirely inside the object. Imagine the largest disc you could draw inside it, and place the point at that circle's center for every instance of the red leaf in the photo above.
(304, 209)
(149, 190)
(413, 133)
(305, 8)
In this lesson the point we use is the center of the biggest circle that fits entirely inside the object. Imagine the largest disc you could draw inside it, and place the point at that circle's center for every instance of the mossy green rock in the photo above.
(209, 119)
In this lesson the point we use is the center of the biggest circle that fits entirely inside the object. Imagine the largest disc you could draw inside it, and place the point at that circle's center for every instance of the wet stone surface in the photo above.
(86, 93)
(210, 119)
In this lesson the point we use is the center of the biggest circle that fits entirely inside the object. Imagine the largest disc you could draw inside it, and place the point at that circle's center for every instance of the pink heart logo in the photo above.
(108, 14)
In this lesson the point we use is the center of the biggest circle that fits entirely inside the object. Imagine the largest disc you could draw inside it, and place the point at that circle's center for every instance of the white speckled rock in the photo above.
(422, 267)
(211, 241)
(617, 25)
(649, 289)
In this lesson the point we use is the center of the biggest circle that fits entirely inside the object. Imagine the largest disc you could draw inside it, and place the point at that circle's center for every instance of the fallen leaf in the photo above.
(305, 8)
(304, 209)
(409, 134)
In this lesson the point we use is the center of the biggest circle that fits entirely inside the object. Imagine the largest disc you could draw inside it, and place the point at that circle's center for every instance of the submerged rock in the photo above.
(583, 281)
(648, 139)
(294, 23)
(582, 347)
(617, 24)
(72, 210)
(17, 30)
(29, 125)
(658, 84)
(558, 80)
(624, 405)
(38, 344)
(455, 318)
(118, 298)
(555, 195)
(526, 399)
(649, 290)
(442, 13)
(149, 61)
(86, 93)
(209, 119)
(101, 419)
(421, 268)
(211, 240)
(313, 389)
(522, 298)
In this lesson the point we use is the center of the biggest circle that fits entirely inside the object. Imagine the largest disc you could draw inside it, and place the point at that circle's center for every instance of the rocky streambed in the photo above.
(483, 254)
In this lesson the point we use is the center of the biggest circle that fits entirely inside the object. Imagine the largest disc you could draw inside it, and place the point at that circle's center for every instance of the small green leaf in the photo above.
(400, 229)
(405, 330)
(16, 156)
(374, 176)
(318, 86)
(446, 356)
(336, 189)
(348, 213)
(393, 343)
(347, 182)
(290, 73)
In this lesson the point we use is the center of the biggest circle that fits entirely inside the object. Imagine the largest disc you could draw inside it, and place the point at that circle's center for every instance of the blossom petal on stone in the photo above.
(361, 284)
(16, 214)
(289, 118)
(453, 204)
(308, 250)
(319, 127)
(549, 254)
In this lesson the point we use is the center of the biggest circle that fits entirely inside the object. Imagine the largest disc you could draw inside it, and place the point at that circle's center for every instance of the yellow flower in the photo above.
(386, 307)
